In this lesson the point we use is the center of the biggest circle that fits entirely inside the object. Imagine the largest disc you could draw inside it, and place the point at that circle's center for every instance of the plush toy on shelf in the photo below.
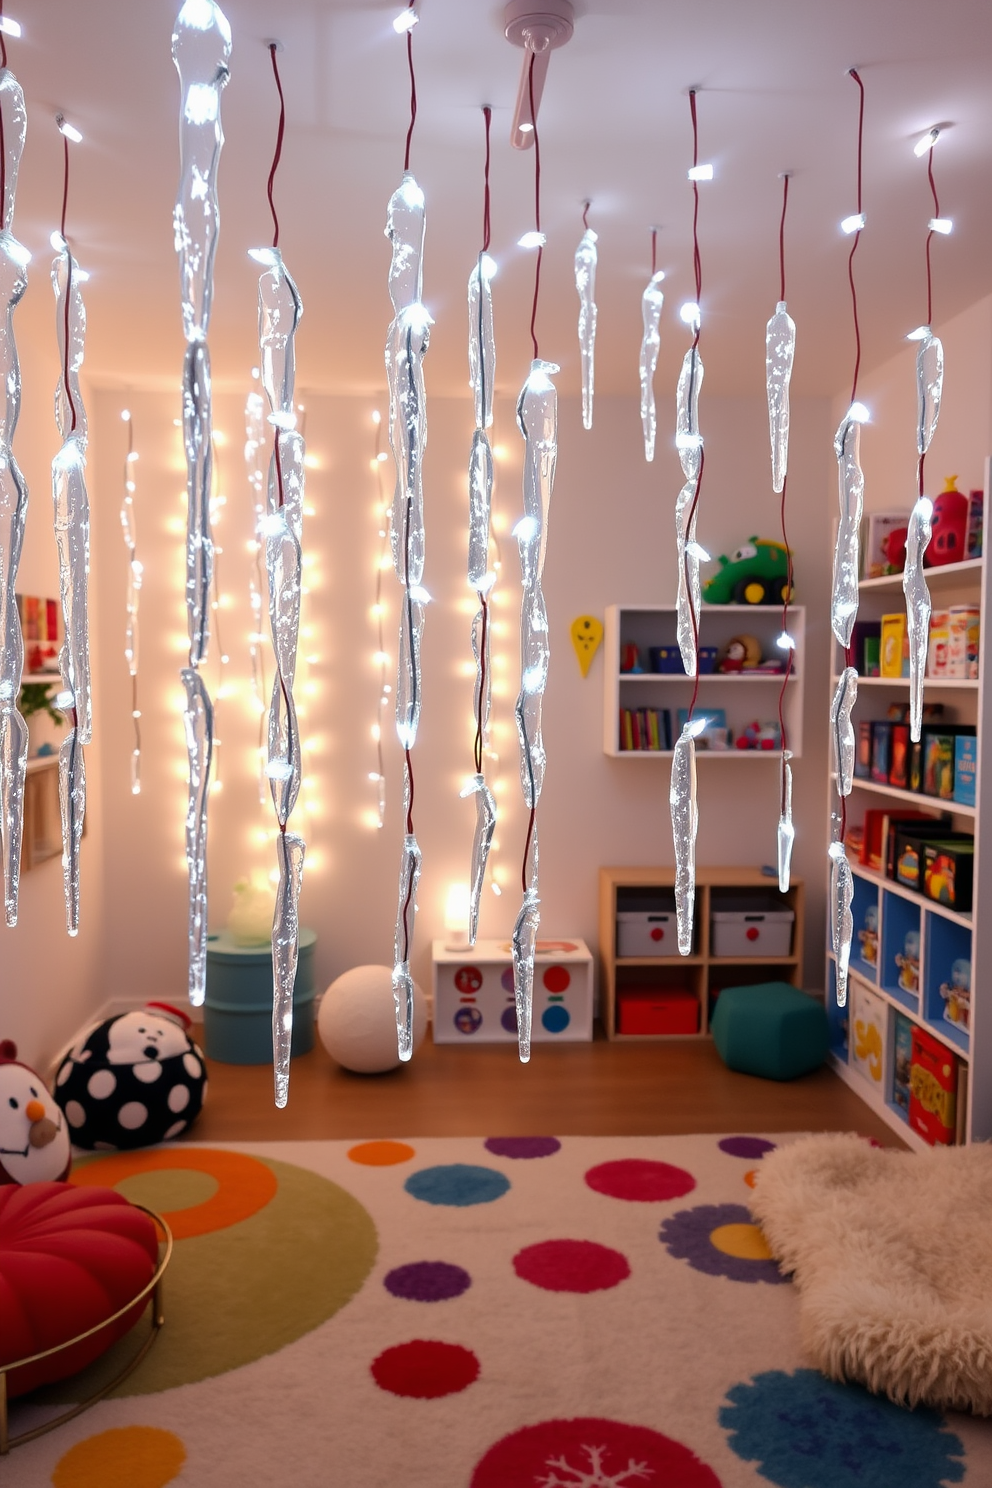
(756, 574)
(34, 1141)
(909, 962)
(949, 543)
(742, 653)
(957, 995)
(868, 936)
(759, 736)
(132, 1080)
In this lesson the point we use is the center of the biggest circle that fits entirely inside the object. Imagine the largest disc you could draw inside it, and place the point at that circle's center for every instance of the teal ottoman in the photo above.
(772, 1029)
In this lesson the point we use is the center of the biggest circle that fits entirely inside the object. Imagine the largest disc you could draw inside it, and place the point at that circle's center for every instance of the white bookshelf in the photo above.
(744, 697)
(945, 934)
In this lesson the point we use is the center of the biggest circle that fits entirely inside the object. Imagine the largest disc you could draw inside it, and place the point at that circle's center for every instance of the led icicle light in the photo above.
(925, 145)
(9, 27)
(255, 427)
(652, 301)
(532, 240)
(13, 506)
(134, 578)
(201, 51)
(853, 224)
(586, 259)
(482, 374)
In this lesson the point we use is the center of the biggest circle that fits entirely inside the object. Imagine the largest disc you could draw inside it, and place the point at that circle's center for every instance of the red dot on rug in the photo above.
(424, 1369)
(640, 1181)
(571, 1266)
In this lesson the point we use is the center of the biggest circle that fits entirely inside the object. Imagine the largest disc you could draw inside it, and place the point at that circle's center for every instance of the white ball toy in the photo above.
(357, 1020)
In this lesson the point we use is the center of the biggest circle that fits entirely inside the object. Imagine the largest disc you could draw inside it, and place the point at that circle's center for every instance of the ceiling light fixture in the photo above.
(539, 26)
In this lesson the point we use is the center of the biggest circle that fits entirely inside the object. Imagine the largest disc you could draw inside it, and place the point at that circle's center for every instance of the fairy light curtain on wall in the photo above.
(201, 50)
(844, 608)
(13, 490)
(406, 344)
(689, 443)
(279, 312)
(780, 350)
(135, 573)
(586, 258)
(929, 386)
(652, 301)
(537, 419)
(72, 535)
(481, 577)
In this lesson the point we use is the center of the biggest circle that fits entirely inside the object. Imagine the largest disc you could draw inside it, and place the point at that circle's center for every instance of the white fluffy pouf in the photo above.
(357, 1020)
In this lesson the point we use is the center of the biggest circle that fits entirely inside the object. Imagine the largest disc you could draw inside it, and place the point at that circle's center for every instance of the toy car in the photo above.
(758, 574)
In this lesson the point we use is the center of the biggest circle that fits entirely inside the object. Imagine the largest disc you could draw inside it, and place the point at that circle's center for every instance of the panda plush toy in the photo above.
(34, 1141)
(132, 1080)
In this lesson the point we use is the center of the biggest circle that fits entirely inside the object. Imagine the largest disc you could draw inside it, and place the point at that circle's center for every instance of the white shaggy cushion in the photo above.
(892, 1258)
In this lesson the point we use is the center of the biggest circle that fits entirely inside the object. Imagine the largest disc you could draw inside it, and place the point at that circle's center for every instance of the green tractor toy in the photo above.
(757, 574)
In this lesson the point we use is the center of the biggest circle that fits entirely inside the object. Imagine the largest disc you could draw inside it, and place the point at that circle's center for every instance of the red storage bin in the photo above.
(657, 1010)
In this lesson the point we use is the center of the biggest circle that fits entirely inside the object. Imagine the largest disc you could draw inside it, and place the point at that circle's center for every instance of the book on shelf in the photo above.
(878, 846)
(645, 729)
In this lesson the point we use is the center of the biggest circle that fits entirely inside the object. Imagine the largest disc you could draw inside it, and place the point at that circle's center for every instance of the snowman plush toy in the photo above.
(34, 1140)
(132, 1080)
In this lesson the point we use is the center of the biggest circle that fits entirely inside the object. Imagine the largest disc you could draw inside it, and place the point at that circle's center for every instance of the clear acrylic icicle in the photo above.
(914, 587)
(72, 536)
(851, 485)
(685, 822)
(201, 51)
(652, 301)
(929, 388)
(485, 826)
(780, 350)
(406, 345)
(257, 587)
(279, 313)
(841, 916)
(585, 284)
(14, 259)
(689, 443)
(537, 419)
(842, 729)
(786, 830)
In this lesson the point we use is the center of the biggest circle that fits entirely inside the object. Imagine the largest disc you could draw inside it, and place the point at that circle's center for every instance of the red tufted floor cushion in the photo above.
(69, 1257)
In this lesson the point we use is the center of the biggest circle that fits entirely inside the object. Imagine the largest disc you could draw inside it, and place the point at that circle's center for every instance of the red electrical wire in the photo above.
(585, 215)
(483, 604)
(781, 236)
(929, 321)
(785, 482)
(654, 251)
(273, 48)
(413, 93)
(487, 114)
(698, 267)
(3, 43)
(857, 235)
(68, 285)
(537, 207)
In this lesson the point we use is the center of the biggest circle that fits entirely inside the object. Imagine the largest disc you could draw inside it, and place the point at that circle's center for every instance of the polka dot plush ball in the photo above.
(132, 1080)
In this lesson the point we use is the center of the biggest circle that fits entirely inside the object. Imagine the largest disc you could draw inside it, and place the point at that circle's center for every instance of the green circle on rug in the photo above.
(236, 1294)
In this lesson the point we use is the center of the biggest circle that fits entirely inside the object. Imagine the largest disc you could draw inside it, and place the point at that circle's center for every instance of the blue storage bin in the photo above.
(237, 1012)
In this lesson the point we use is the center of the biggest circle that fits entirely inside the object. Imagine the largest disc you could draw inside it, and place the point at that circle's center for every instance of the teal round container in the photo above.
(237, 1011)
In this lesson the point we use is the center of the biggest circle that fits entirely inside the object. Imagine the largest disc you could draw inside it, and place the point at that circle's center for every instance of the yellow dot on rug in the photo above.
(744, 1241)
(127, 1457)
(380, 1154)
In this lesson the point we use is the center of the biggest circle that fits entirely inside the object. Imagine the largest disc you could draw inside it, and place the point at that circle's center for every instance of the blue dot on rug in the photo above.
(805, 1431)
(458, 1185)
(427, 1281)
(747, 1147)
(519, 1147)
(720, 1240)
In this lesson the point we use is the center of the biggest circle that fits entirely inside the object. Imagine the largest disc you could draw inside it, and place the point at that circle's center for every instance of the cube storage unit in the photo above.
(473, 993)
(915, 959)
(650, 993)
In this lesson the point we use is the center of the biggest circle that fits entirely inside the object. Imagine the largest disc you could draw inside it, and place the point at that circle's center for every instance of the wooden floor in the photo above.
(598, 1089)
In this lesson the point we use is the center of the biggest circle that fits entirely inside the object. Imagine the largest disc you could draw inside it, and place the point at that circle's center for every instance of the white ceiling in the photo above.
(615, 128)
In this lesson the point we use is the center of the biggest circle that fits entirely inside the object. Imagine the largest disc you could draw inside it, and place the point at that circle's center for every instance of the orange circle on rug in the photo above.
(126, 1457)
(750, 1177)
(744, 1241)
(380, 1154)
(245, 1185)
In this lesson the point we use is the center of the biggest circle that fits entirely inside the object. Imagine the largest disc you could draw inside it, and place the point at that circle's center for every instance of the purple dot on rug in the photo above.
(427, 1281)
(749, 1147)
(523, 1146)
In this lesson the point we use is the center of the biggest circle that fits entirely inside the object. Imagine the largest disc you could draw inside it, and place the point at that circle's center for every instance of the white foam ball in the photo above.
(357, 1020)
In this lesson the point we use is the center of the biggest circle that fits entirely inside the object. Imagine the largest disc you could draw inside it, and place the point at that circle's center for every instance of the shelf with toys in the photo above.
(741, 674)
(911, 1041)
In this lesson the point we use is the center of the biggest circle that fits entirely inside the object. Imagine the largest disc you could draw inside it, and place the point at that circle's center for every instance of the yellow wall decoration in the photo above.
(587, 633)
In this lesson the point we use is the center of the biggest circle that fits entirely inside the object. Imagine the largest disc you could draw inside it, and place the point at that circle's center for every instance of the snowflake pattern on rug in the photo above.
(805, 1431)
(597, 1475)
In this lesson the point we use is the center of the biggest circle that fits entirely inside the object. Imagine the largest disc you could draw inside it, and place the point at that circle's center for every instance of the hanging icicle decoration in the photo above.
(537, 420)
(844, 609)
(929, 386)
(585, 284)
(482, 373)
(652, 301)
(201, 50)
(406, 344)
(72, 535)
(14, 259)
(780, 350)
(378, 775)
(279, 312)
(689, 443)
(257, 586)
(134, 577)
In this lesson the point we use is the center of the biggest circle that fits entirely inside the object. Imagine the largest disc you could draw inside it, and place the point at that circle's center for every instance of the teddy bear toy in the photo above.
(34, 1141)
(132, 1080)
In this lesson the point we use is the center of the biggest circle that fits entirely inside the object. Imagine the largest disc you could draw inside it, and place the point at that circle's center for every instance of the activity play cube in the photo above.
(237, 1013)
(473, 993)
(771, 1029)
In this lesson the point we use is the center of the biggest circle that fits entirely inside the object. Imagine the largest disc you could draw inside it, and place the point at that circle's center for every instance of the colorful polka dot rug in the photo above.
(501, 1312)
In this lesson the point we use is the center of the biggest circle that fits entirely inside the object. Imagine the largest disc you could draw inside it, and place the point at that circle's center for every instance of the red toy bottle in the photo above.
(949, 543)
